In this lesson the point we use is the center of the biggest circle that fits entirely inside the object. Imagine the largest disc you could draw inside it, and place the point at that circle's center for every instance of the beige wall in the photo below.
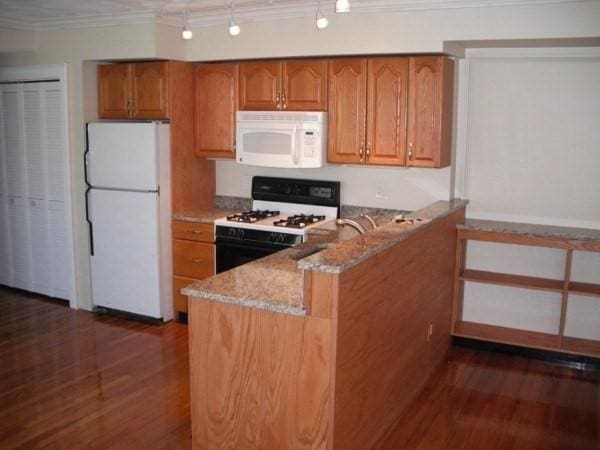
(385, 32)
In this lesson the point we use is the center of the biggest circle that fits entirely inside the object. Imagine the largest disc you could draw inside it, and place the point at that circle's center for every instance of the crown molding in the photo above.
(256, 13)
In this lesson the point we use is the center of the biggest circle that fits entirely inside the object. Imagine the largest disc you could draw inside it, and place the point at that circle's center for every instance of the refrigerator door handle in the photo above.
(86, 153)
(88, 220)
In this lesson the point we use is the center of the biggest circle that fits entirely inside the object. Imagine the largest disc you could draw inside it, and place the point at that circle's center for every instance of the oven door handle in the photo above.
(232, 243)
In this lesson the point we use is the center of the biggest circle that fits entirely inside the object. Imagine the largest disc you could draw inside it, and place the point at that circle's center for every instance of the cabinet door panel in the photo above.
(54, 142)
(259, 85)
(150, 90)
(386, 112)
(430, 111)
(216, 105)
(347, 98)
(304, 85)
(114, 91)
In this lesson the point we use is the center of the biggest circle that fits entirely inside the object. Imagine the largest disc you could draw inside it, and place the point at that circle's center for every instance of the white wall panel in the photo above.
(530, 135)
(512, 307)
(583, 317)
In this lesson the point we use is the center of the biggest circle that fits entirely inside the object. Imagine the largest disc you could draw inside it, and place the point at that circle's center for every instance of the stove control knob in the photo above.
(240, 234)
(232, 232)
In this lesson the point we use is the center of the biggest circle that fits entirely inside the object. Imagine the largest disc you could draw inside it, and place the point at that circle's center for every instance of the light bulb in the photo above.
(186, 33)
(342, 6)
(234, 28)
(322, 21)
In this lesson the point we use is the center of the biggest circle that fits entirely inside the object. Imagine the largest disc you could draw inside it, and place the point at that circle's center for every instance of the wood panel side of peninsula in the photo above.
(338, 377)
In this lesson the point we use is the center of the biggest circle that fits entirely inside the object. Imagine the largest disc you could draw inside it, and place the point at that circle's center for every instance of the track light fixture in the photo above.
(234, 28)
(342, 6)
(186, 33)
(320, 19)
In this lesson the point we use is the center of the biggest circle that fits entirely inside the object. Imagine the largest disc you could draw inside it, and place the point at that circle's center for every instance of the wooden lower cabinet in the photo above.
(180, 301)
(193, 257)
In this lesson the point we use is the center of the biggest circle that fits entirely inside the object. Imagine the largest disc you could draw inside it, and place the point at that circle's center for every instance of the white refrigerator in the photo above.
(128, 213)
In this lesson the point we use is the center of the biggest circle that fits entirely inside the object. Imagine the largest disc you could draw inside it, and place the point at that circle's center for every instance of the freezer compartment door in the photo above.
(123, 155)
(126, 261)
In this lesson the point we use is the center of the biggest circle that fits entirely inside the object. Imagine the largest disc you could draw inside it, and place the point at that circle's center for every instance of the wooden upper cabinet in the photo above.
(347, 100)
(133, 91)
(216, 106)
(431, 82)
(259, 85)
(387, 94)
(114, 91)
(150, 90)
(304, 85)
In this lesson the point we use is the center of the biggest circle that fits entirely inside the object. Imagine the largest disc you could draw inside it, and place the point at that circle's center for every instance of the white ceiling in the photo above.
(51, 14)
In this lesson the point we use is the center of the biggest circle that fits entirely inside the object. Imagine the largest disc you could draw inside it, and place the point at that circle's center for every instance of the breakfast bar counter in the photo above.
(322, 345)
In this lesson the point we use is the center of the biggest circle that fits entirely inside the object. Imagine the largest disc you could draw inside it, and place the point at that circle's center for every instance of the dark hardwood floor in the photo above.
(75, 380)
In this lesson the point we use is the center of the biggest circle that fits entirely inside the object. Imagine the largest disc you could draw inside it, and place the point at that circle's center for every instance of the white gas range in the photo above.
(283, 210)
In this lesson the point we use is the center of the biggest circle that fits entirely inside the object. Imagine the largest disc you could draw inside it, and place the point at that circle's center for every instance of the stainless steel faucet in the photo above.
(369, 218)
(354, 224)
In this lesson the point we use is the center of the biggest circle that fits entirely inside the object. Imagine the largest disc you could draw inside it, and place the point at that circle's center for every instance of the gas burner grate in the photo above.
(298, 221)
(252, 216)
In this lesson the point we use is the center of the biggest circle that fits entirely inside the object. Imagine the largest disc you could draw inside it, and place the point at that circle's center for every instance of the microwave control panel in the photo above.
(308, 143)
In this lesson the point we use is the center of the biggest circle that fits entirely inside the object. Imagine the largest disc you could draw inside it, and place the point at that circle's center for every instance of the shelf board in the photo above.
(505, 279)
(577, 287)
(504, 335)
(580, 346)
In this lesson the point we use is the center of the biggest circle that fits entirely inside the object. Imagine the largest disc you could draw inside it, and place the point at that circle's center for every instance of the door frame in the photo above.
(55, 72)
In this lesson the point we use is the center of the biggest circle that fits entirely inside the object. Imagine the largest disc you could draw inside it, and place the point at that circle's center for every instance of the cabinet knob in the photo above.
(368, 149)
(197, 260)
(284, 100)
(410, 151)
(361, 149)
(278, 100)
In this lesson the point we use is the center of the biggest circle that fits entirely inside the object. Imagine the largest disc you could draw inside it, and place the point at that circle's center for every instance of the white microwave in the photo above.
(293, 139)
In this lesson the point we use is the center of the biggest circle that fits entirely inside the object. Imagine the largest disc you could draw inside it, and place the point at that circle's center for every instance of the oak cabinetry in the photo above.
(430, 89)
(390, 111)
(134, 91)
(347, 99)
(193, 257)
(296, 85)
(216, 104)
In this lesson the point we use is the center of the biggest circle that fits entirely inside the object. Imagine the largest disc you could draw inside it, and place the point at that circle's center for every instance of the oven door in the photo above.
(235, 252)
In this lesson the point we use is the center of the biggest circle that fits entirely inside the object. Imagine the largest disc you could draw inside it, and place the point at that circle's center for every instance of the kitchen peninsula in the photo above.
(321, 346)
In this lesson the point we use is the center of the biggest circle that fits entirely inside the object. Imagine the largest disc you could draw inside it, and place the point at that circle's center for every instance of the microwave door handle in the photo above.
(294, 147)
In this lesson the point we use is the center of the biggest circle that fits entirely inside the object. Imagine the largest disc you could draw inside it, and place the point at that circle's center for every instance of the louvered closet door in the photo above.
(56, 178)
(5, 265)
(35, 168)
(18, 222)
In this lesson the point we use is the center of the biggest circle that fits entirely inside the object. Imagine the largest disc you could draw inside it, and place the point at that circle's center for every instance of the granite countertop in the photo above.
(204, 216)
(276, 282)
(546, 231)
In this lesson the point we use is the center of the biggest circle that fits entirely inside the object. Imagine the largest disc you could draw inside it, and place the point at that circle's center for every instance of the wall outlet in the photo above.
(383, 191)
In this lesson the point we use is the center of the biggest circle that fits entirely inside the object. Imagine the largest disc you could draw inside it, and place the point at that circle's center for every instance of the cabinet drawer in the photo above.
(180, 300)
(191, 231)
(193, 259)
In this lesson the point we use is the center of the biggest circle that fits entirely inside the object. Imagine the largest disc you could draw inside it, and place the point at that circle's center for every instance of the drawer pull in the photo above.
(195, 231)
(197, 260)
